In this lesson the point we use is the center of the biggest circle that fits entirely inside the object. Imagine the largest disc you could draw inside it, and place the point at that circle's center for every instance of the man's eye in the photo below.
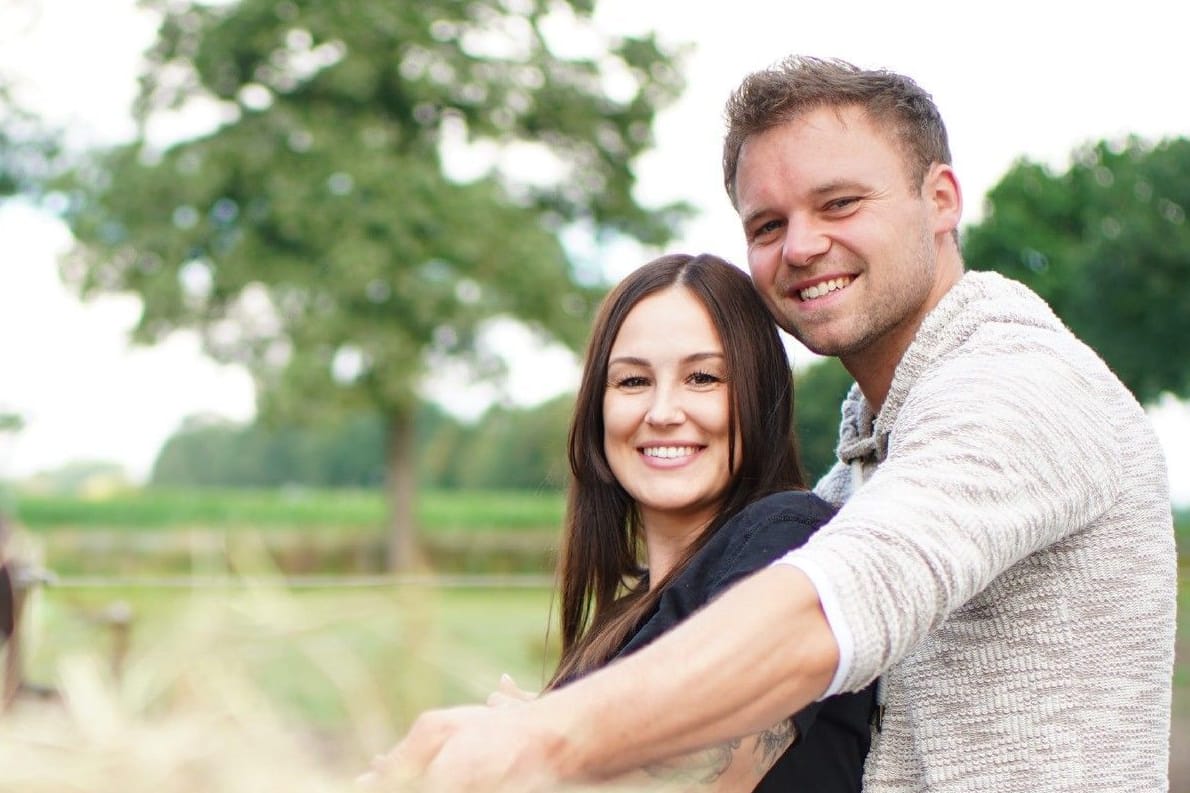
(840, 204)
(766, 228)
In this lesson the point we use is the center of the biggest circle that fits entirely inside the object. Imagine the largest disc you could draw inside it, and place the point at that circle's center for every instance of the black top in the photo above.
(833, 735)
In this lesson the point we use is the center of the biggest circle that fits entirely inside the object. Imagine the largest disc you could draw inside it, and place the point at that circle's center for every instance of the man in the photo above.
(1003, 557)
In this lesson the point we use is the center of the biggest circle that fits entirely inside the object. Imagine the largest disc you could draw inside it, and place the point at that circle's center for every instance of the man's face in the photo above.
(840, 245)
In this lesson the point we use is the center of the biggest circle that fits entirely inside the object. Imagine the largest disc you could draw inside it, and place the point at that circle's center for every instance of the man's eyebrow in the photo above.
(827, 188)
(748, 219)
(840, 185)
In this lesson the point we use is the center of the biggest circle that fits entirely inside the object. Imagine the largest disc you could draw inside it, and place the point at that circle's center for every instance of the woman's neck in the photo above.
(667, 536)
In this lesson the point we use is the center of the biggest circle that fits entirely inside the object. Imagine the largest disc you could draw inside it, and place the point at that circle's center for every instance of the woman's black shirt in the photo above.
(833, 735)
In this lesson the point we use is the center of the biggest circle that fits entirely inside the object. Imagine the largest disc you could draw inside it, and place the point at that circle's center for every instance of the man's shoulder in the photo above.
(1010, 360)
(996, 332)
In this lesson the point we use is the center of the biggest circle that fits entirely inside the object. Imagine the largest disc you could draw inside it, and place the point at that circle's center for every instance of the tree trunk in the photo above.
(401, 490)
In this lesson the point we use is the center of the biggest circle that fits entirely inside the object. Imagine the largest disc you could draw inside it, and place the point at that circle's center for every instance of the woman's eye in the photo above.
(704, 378)
(632, 381)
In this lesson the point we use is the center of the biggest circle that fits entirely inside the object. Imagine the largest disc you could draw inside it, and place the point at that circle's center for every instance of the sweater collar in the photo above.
(978, 297)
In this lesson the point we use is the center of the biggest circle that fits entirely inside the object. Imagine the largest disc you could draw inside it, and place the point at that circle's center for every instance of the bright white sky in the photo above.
(1013, 78)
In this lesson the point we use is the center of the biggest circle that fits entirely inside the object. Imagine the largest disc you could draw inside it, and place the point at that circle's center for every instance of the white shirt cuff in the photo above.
(834, 617)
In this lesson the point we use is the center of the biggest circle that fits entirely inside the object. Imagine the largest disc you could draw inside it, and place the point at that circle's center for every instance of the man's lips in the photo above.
(809, 291)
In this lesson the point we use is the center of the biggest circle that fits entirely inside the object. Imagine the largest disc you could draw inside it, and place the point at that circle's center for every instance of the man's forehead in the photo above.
(825, 121)
(829, 147)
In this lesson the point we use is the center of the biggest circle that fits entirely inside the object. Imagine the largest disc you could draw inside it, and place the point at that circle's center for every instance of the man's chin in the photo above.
(816, 341)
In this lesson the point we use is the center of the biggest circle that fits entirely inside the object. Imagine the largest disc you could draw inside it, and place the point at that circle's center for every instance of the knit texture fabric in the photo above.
(1008, 563)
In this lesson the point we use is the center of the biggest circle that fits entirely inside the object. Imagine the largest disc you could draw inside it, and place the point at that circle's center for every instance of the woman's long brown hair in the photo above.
(603, 586)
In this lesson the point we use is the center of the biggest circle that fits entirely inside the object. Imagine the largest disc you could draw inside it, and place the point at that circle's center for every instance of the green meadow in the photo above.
(160, 510)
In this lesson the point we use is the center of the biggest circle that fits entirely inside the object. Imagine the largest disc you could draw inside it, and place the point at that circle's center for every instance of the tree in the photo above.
(27, 148)
(317, 236)
(819, 390)
(1107, 245)
(520, 448)
(507, 449)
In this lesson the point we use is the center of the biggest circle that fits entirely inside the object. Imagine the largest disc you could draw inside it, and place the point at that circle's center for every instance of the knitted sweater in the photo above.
(1008, 566)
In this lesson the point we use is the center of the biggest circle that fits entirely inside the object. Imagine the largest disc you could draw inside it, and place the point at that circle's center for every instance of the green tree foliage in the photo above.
(507, 449)
(818, 396)
(27, 148)
(518, 448)
(84, 477)
(214, 452)
(317, 236)
(1107, 245)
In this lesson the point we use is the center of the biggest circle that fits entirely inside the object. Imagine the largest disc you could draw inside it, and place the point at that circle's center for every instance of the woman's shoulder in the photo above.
(753, 538)
(789, 506)
(766, 530)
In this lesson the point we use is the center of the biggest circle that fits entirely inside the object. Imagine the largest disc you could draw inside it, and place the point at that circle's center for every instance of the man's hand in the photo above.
(472, 749)
(638, 709)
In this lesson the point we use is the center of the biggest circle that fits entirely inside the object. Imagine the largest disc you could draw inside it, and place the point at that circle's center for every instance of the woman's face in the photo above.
(665, 410)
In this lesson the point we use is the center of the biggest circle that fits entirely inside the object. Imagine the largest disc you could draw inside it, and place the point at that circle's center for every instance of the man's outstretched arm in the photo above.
(755, 655)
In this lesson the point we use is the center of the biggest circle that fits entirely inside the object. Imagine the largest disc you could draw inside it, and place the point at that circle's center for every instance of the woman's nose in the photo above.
(666, 408)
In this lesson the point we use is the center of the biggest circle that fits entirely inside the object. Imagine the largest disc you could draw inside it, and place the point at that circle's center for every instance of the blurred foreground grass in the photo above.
(409, 647)
(253, 686)
(246, 685)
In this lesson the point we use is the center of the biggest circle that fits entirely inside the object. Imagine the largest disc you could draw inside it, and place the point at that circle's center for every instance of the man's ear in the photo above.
(941, 190)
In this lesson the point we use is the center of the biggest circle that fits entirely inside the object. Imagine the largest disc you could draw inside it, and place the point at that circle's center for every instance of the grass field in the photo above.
(253, 686)
(295, 508)
(349, 664)
(307, 531)
(326, 510)
(312, 651)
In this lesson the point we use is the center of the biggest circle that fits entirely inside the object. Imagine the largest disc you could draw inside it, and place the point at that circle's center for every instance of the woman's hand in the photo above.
(509, 693)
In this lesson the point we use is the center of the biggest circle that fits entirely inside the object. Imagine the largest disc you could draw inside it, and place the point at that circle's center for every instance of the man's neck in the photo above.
(874, 366)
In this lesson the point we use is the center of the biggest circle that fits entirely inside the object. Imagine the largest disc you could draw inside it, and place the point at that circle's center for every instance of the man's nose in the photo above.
(805, 241)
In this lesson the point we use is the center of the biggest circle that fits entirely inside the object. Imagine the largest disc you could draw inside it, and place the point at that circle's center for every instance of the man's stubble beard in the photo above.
(884, 312)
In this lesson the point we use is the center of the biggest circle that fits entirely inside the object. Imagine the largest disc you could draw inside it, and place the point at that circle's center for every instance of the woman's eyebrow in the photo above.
(632, 360)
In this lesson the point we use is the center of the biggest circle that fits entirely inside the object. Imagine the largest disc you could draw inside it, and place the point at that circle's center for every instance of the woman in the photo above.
(686, 478)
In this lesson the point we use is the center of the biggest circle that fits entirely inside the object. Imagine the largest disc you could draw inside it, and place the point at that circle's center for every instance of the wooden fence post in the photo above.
(17, 580)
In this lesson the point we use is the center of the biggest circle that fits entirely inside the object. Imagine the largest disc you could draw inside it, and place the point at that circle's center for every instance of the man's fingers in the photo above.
(389, 773)
(399, 769)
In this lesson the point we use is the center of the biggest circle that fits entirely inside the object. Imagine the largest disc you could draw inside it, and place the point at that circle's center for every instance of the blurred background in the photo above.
(291, 295)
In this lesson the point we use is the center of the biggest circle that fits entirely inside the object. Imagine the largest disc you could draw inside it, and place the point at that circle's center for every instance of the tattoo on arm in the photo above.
(707, 766)
(703, 767)
(772, 742)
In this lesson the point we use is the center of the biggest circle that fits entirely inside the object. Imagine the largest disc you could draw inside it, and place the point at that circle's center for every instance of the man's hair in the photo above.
(798, 85)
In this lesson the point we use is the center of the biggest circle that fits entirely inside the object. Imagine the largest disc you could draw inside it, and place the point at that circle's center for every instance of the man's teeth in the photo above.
(818, 290)
(669, 452)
